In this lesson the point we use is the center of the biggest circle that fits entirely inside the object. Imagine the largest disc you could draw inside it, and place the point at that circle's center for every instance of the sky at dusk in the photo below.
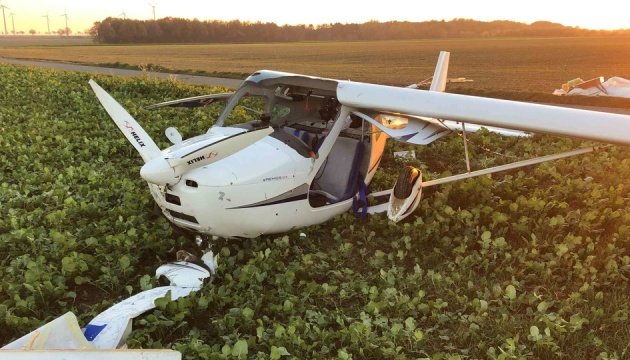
(602, 14)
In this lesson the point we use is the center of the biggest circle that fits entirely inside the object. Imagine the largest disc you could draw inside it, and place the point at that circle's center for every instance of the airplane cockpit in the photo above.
(302, 111)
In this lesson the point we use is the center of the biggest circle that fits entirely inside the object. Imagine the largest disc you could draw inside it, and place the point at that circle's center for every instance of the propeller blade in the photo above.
(192, 102)
(206, 153)
(168, 169)
(127, 124)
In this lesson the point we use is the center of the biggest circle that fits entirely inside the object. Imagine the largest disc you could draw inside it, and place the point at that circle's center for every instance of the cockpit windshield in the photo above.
(281, 105)
(300, 115)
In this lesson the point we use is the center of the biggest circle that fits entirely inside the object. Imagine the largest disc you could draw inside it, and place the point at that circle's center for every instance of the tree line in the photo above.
(177, 30)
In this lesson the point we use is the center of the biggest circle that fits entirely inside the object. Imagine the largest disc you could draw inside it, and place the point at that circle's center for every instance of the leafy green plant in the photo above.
(533, 263)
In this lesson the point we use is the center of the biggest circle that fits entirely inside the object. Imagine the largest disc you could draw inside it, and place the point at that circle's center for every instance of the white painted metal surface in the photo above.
(605, 127)
(109, 329)
(202, 150)
(440, 76)
(63, 332)
(64, 339)
(398, 209)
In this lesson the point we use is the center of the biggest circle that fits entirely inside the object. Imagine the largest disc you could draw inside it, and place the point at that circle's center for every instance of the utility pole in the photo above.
(47, 22)
(13, 22)
(153, 6)
(4, 18)
(66, 29)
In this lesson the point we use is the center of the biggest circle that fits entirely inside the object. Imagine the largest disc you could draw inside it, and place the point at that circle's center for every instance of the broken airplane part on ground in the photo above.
(318, 143)
(104, 337)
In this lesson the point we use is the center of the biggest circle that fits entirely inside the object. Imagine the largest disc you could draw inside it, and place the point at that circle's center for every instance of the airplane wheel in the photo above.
(404, 184)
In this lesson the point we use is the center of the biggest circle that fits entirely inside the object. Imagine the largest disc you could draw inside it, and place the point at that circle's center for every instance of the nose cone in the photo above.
(158, 171)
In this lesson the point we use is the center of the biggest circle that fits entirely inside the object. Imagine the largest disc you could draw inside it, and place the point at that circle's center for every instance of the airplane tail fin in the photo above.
(441, 72)
(127, 124)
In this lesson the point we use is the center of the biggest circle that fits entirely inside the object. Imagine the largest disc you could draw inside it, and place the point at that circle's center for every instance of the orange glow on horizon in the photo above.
(30, 14)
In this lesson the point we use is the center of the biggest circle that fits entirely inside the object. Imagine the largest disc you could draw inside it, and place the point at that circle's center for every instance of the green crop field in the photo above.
(515, 64)
(526, 264)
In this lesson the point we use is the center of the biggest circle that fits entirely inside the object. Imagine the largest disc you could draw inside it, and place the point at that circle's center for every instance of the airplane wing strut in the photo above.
(383, 207)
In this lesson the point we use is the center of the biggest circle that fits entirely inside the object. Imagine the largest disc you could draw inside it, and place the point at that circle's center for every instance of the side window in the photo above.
(279, 112)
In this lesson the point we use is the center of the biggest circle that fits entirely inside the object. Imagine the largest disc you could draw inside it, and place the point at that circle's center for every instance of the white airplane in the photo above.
(317, 145)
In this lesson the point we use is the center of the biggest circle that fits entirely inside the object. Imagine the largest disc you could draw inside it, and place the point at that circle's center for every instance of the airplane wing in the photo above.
(457, 126)
(195, 101)
(593, 125)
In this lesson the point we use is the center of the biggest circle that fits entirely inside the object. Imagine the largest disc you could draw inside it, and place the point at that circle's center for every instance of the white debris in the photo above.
(62, 333)
(211, 262)
(614, 87)
(110, 329)
(411, 154)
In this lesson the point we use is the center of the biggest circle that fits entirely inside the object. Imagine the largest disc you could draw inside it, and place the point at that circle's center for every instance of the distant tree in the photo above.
(93, 31)
(32, 32)
(178, 30)
(64, 32)
(153, 31)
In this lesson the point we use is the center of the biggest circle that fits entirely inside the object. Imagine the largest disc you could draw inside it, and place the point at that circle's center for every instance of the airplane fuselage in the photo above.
(262, 189)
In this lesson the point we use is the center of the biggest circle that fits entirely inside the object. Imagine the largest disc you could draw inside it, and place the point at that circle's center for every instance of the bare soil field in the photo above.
(43, 40)
(527, 64)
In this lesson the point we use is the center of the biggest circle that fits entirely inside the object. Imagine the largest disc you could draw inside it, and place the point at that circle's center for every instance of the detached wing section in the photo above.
(599, 126)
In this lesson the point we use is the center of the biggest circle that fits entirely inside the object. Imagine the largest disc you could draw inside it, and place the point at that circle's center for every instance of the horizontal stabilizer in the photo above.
(594, 125)
(127, 124)
(191, 102)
